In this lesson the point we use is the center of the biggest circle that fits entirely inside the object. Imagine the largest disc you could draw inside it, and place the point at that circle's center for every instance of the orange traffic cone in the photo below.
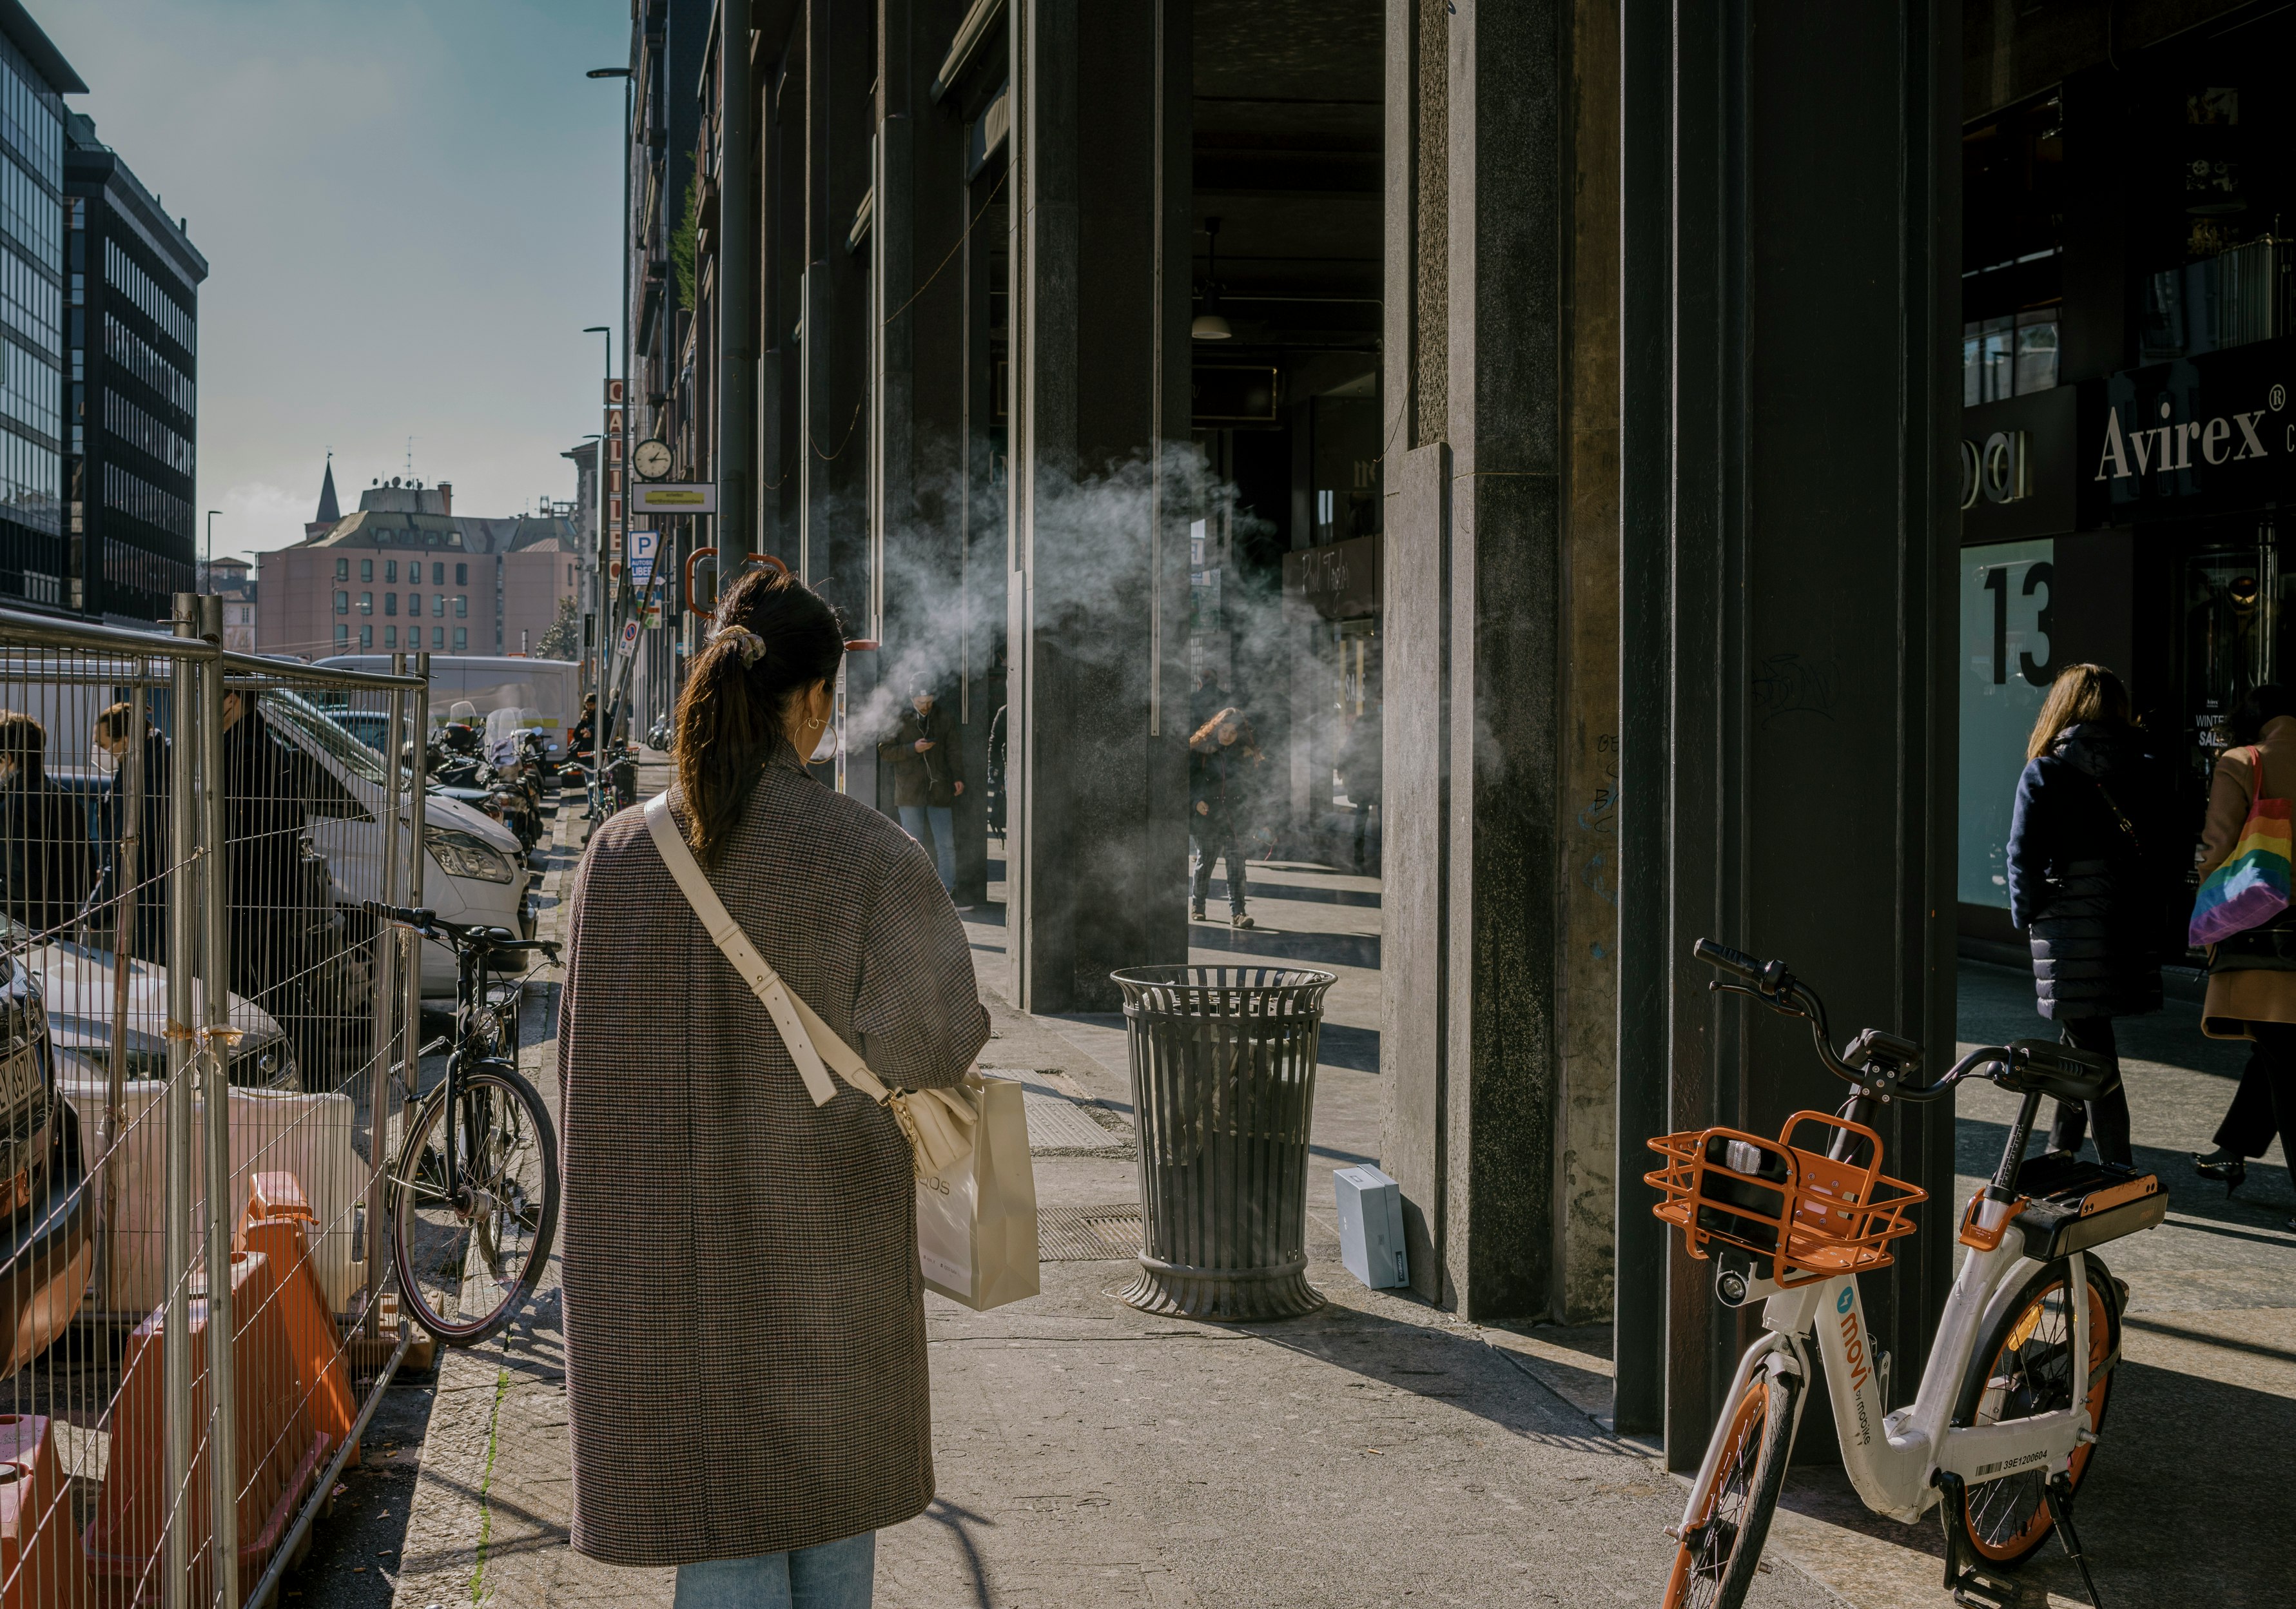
(281, 1448)
(41, 1565)
(276, 1213)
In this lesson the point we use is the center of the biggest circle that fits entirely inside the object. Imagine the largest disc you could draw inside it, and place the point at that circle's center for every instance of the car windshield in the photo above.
(322, 731)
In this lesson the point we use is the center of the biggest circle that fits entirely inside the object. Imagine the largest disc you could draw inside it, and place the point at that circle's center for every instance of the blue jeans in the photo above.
(835, 1575)
(941, 842)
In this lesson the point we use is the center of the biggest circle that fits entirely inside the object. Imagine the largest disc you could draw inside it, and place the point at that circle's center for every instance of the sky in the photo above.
(408, 212)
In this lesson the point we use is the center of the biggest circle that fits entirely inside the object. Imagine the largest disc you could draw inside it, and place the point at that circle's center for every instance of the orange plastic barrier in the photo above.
(281, 1450)
(40, 1560)
(276, 1213)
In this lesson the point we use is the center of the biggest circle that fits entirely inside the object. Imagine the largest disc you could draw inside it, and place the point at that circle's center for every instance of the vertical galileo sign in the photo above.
(2007, 662)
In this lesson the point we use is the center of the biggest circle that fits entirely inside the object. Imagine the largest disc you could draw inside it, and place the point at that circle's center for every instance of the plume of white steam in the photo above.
(1092, 557)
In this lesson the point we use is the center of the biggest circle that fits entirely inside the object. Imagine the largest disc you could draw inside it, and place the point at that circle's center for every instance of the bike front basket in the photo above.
(1789, 1204)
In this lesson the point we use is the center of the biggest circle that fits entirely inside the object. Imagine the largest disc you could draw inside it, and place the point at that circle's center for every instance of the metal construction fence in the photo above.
(192, 992)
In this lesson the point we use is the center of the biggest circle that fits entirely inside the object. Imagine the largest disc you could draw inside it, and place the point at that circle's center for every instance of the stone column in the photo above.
(1097, 519)
(780, 367)
(1586, 872)
(1788, 531)
(917, 397)
(835, 551)
(1473, 684)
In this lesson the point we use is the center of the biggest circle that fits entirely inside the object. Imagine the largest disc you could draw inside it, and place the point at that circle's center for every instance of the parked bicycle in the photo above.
(471, 1201)
(2004, 1426)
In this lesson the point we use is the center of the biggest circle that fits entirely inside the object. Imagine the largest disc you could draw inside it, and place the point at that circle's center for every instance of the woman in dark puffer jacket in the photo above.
(2089, 851)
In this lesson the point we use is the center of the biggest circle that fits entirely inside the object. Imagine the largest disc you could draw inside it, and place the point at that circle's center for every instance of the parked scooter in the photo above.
(460, 774)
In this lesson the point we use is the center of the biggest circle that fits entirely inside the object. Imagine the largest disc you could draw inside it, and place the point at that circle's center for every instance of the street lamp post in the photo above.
(622, 250)
(600, 613)
(207, 578)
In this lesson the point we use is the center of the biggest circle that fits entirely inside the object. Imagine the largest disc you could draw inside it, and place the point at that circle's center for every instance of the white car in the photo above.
(475, 871)
(80, 985)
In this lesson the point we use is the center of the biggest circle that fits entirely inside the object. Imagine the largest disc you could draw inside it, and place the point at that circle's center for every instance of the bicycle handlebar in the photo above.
(472, 936)
(1883, 1065)
(1878, 1063)
(1732, 960)
(405, 915)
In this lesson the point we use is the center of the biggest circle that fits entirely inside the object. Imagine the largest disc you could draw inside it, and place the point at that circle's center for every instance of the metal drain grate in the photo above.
(1088, 1234)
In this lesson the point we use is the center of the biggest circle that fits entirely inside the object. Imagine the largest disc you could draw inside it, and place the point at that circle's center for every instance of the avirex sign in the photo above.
(2199, 435)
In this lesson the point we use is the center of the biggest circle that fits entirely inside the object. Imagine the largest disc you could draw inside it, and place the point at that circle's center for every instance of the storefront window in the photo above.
(2007, 661)
(2234, 619)
(2036, 350)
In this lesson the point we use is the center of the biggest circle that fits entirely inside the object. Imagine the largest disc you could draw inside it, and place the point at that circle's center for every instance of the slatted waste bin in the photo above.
(1223, 1091)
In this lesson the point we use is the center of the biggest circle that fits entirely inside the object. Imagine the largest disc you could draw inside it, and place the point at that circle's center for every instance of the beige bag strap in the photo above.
(811, 1042)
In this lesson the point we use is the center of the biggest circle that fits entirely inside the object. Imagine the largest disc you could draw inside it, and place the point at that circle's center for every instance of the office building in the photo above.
(34, 80)
(131, 470)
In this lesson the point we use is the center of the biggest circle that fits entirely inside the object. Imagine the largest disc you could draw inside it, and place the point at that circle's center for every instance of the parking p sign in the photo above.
(643, 544)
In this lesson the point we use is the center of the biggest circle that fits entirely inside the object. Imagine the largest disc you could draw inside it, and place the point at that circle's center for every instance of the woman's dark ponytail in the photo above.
(774, 637)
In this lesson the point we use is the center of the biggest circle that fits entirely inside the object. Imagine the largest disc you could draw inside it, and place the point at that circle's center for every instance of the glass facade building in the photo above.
(131, 404)
(36, 313)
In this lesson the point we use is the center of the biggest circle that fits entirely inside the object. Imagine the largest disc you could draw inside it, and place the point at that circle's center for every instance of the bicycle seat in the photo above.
(2051, 1069)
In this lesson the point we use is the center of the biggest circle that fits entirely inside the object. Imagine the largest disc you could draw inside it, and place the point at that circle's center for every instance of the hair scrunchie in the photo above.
(745, 642)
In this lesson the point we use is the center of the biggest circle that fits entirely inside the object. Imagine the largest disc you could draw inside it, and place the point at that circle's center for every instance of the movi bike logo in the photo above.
(1853, 1338)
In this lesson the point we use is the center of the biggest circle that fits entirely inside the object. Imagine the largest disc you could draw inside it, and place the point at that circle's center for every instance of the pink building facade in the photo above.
(405, 573)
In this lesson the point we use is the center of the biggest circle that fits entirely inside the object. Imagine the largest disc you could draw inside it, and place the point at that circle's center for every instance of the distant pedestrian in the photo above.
(46, 871)
(117, 740)
(2090, 843)
(265, 898)
(745, 1333)
(2252, 976)
(1224, 764)
(1360, 768)
(927, 767)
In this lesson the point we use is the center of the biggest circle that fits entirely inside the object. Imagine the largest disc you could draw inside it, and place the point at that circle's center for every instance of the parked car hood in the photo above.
(76, 980)
(445, 810)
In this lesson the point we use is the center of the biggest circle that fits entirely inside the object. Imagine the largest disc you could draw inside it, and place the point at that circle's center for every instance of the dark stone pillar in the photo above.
(1473, 351)
(1100, 411)
(835, 554)
(918, 398)
(780, 367)
(981, 509)
(1788, 460)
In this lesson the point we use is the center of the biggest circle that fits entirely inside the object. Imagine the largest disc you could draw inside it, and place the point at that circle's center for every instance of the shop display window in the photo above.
(2007, 662)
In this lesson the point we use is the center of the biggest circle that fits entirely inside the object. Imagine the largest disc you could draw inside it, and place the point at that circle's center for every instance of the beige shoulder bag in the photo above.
(939, 1122)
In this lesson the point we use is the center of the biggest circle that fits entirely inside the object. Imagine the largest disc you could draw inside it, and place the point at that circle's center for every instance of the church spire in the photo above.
(330, 511)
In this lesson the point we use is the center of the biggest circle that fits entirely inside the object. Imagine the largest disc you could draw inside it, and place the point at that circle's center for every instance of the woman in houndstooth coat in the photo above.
(744, 1314)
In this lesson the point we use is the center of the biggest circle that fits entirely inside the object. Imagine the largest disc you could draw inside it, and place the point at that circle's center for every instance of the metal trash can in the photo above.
(1222, 1093)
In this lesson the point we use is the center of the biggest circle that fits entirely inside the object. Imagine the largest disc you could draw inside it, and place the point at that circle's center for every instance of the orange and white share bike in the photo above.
(2006, 1421)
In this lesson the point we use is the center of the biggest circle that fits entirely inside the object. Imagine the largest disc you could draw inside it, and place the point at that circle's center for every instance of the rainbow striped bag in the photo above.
(2250, 888)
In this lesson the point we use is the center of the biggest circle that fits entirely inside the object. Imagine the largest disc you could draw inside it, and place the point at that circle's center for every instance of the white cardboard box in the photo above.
(1371, 1226)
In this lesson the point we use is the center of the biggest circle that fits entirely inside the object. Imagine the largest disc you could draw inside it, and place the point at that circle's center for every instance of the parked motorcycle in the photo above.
(458, 774)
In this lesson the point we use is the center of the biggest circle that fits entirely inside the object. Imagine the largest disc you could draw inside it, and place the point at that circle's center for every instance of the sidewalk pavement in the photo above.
(1379, 1452)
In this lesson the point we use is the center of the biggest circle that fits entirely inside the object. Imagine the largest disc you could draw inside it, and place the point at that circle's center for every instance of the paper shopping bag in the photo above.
(977, 1219)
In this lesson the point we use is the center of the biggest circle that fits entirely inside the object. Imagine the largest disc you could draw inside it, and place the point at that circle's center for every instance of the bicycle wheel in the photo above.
(2026, 1369)
(468, 1262)
(1715, 1564)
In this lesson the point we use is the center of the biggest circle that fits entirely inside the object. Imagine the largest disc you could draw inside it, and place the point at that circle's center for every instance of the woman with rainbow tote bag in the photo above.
(2250, 888)
(2244, 898)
